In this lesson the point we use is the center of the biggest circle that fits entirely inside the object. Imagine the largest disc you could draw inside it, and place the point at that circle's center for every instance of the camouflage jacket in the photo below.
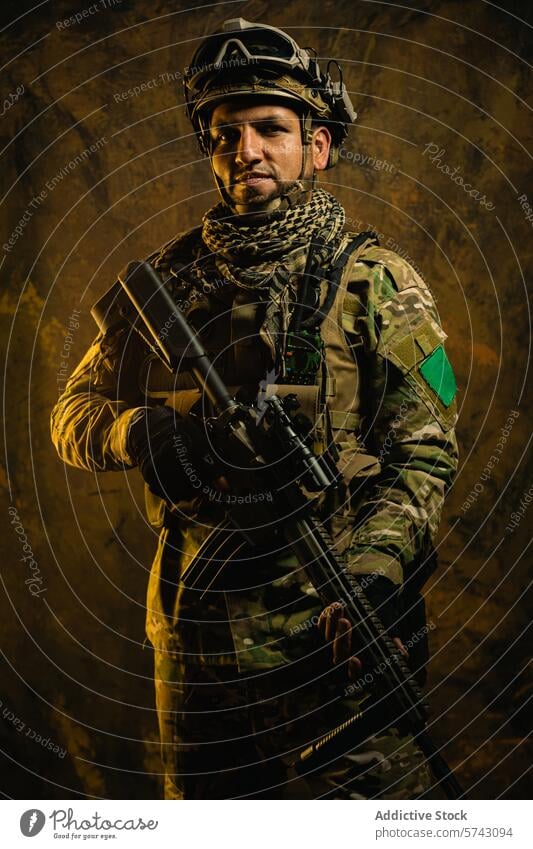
(392, 412)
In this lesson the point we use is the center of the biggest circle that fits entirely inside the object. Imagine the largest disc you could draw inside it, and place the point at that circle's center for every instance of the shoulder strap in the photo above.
(334, 273)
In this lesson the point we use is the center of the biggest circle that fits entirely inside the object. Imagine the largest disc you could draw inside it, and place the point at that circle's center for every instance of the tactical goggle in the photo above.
(245, 42)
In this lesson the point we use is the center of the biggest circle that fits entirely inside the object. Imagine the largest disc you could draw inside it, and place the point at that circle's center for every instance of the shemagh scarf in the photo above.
(271, 257)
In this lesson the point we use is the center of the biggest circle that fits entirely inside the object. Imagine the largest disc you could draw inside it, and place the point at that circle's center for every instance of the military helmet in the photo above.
(255, 60)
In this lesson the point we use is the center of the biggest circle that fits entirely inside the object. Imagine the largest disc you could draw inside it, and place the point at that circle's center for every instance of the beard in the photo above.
(258, 203)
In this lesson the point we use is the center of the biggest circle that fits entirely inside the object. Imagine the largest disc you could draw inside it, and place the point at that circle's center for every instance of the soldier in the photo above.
(283, 299)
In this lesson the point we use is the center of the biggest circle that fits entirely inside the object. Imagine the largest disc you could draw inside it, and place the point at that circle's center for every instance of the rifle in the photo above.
(268, 448)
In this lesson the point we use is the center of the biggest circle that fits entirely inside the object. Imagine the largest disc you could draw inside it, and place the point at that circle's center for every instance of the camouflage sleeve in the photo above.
(90, 421)
(409, 418)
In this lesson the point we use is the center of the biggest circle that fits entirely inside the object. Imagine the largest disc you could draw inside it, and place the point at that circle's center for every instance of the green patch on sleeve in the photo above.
(438, 373)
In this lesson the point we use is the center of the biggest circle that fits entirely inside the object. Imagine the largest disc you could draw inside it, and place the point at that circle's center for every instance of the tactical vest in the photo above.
(228, 321)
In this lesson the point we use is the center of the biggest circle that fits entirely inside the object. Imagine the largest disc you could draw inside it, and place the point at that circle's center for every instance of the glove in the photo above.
(173, 454)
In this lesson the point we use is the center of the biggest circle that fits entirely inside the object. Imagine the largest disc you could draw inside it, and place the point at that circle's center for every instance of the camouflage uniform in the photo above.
(246, 664)
(229, 735)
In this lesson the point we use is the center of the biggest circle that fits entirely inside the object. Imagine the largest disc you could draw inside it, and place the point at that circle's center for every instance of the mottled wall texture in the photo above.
(99, 166)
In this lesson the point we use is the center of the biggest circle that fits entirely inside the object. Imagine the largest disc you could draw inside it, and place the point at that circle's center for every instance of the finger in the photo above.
(322, 619)
(342, 643)
(331, 623)
(355, 667)
(328, 620)
(400, 646)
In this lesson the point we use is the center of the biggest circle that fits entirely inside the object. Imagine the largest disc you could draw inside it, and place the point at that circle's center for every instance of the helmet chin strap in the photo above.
(297, 192)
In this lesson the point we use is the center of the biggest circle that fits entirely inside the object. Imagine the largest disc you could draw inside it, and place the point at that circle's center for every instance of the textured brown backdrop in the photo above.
(438, 86)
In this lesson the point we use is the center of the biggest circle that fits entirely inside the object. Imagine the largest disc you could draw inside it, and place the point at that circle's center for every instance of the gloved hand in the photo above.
(173, 454)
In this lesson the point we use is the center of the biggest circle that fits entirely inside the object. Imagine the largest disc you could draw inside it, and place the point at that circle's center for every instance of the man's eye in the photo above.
(225, 136)
(230, 135)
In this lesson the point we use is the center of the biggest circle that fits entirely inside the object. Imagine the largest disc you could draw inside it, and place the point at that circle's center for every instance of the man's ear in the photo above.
(320, 147)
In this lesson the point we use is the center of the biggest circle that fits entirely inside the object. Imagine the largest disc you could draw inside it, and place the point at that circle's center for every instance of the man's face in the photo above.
(257, 152)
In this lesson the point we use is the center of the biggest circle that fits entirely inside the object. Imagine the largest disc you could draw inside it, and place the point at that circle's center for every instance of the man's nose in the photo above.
(249, 147)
